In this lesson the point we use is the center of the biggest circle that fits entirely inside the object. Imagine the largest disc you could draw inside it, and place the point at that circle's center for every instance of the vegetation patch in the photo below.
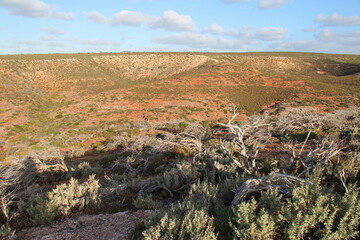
(289, 172)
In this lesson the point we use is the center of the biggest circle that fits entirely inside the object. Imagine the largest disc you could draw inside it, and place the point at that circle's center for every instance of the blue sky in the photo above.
(54, 26)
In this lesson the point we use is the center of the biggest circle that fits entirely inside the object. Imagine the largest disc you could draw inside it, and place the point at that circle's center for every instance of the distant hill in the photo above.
(47, 95)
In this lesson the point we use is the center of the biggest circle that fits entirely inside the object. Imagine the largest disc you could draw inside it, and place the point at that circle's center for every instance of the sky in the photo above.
(72, 26)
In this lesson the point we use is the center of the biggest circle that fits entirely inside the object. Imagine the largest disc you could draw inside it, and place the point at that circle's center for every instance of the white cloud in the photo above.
(203, 41)
(53, 31)
(309, 30)
(63, 15)
(215, 29)
(97, 17)
(301, 46)
(169, 21)
(56, 44)
(270, 33)
(47, 38)
(128, 18)
(326, 42)
(28, 8)
(264, 34)
(1, 29)
(193, 40)
(172, 21)
(100, 43)
(337, 20)
(238, 39)
(316, 46)
(92, 42)
(29, 42)
(266, 4)
(241, 33)
(341, 38)
(34, 9)
(325, 35)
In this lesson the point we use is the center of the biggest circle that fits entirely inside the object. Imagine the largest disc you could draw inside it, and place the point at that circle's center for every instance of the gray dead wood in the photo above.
(284, 184)
(45, 170)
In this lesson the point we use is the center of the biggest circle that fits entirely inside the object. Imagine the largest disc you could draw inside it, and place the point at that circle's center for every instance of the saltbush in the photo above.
(147, 202)
(182, 221)
(65, 198)
(6, 232)
(84, 169)
(181, 175)
(313, 212)
(42, 211)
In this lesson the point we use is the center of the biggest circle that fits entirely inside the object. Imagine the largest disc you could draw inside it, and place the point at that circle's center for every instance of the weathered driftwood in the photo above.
(284, 184)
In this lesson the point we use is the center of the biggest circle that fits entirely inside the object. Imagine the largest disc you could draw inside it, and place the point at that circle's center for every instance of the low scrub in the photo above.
(289, 176)
(313, 212)
(64, 199)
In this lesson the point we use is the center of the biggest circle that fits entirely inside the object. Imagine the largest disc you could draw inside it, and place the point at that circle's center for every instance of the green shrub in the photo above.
(175, 128)
(177, 177)
(212, 142)
(311, 212)
(136, 233)
(42, 211)
(6, 232)
(147, 202)
(353, 136)
(204, 195)
(182, 151)
(252, 225)
(182, 222)
(182, 126)
(3, 155)
(65, 198)
(85, 169)
(212, 198)
(107, 161)
(222, 217)
(203, 201)
(79, 150)
(300, 135)
(350, 165)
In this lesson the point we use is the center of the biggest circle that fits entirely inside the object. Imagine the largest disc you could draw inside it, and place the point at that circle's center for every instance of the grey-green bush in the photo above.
(63, 199)
(147, 202)
(182, 222)
(312, 212)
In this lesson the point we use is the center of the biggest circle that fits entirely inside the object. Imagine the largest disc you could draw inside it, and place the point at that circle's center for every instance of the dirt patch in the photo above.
(141, 66)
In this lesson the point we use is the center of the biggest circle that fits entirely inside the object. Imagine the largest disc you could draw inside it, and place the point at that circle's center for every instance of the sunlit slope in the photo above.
(49, 98)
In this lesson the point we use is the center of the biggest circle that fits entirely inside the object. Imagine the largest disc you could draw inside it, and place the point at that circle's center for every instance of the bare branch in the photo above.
(321, 155)
(151, 189)
(249, 138)
(343, 179)
(307, 138)
(284, 184)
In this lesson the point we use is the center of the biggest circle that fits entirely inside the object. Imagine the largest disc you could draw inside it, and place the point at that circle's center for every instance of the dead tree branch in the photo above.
(343, 179)
(284, 184)
(321, 155)
(249, 139)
